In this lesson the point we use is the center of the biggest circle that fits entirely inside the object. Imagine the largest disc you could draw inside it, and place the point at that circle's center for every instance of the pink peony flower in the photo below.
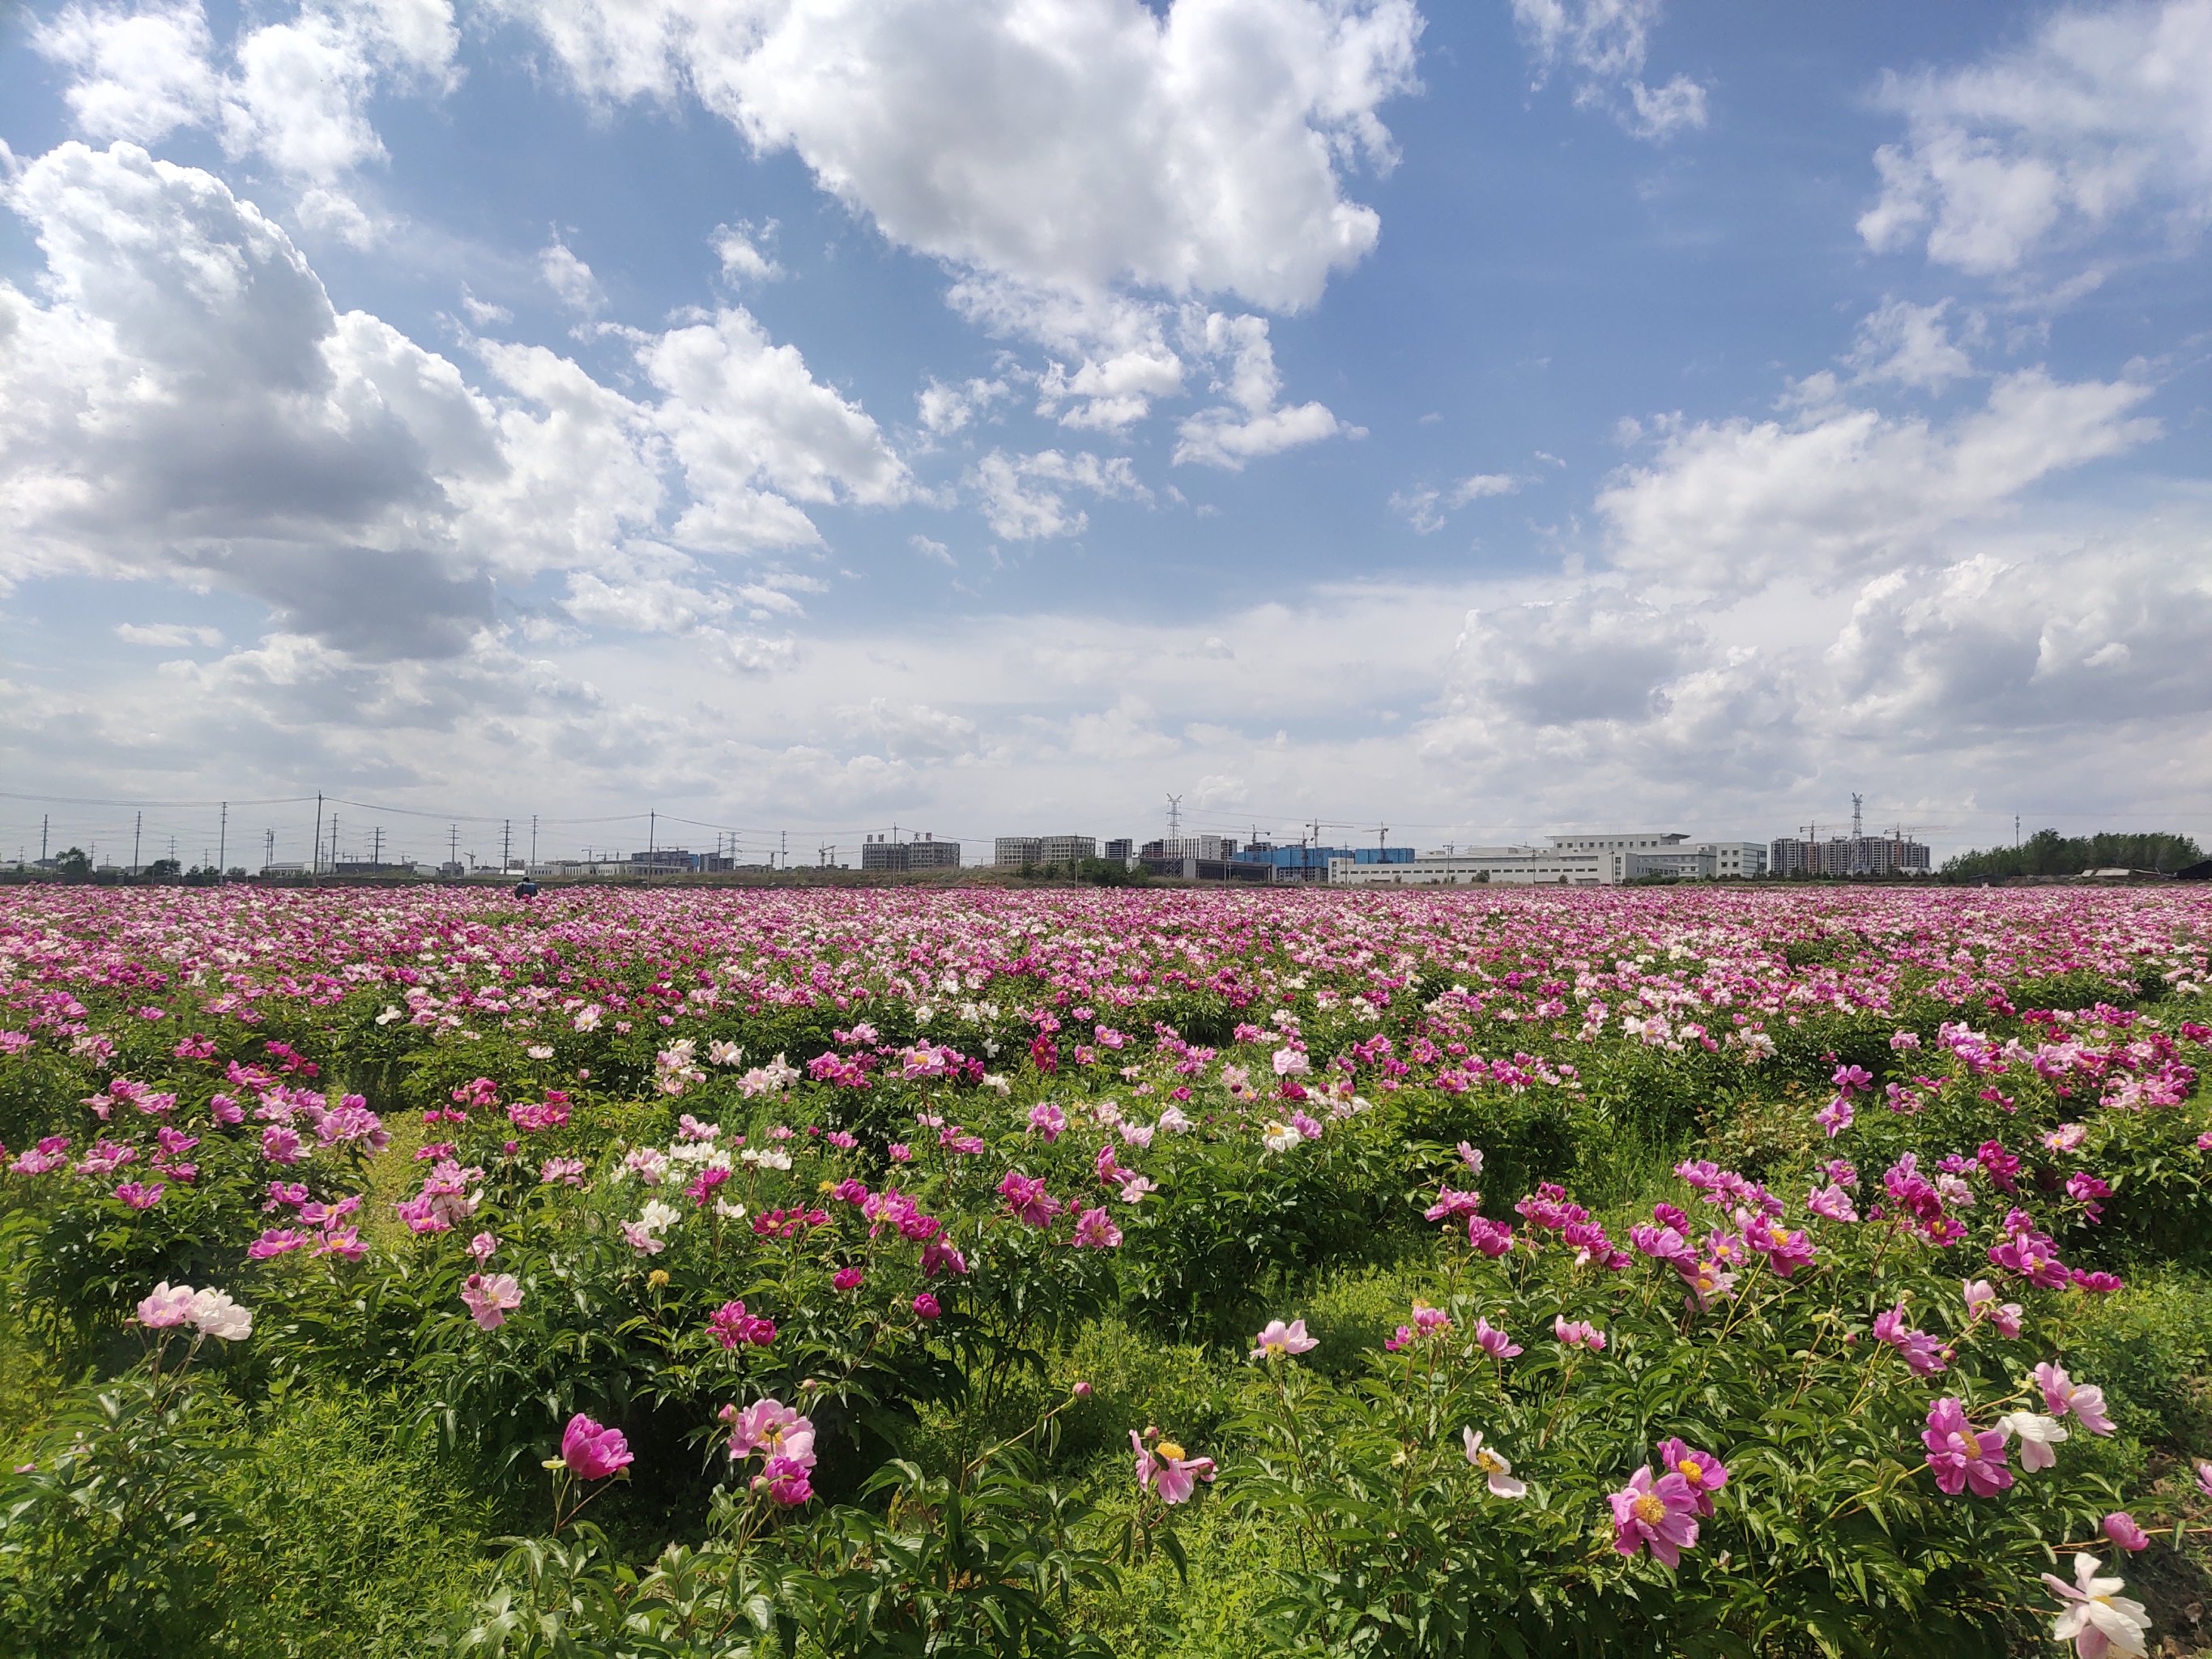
(2062, 1395)
(773, 1429)
(1661, 1515)
(1982, 1304)
(1278, 1339)
(1578, 1334)
(926, 1306)
(846, 1278)
(490, 1299)
(1165, 1469)
(1962, 1455)
(593, 1452)
(168, 1305)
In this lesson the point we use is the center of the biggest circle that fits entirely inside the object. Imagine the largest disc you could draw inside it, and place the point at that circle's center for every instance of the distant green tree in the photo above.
(164, 870)
(74, 865)
(2047, 852)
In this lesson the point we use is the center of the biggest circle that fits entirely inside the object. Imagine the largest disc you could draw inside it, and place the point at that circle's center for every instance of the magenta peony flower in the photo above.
(593, 1452)
(926, 1306)
(1095, 1231)
(1701, 1471)
(846, 1278)
(2120, 1526)
(1962, 1455)
(1494, 1341)
(1661, 1515)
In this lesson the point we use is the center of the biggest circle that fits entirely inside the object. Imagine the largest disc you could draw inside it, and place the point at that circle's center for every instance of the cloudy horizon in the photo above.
(802, 416)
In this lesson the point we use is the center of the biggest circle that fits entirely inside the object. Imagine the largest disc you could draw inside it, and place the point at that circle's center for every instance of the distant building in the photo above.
(1893, 854)
(1572, 861)
(664, 861)
(1017, 851)
(881, 853)
(1194, 868)
(1121, 850)
(1312, 863)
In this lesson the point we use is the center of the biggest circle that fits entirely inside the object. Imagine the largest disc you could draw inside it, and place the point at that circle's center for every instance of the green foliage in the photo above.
(2047, 852)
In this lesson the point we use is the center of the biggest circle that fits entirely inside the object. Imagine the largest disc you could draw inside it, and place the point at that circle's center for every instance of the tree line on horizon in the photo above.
(2047, 852)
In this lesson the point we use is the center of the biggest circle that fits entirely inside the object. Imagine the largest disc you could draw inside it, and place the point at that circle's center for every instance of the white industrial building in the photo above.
(1573, 860)
(1020, 852)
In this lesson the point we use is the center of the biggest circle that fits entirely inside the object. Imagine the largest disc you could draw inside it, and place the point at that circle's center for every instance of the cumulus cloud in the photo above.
(2100, 115)
(1025, 497)
(739, 248)
(1603, 44)
(945, 409)
(296, 93)
(186, 399)
(1838, 488)
(1077, 143)
(1252, 422)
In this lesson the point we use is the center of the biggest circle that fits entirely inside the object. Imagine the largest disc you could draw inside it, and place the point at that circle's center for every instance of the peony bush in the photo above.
(1695, 1271)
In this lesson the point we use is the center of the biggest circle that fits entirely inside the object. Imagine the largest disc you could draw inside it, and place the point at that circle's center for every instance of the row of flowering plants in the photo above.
(767, 1227)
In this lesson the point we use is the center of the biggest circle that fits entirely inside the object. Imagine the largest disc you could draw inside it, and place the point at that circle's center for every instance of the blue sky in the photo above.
(814, 415)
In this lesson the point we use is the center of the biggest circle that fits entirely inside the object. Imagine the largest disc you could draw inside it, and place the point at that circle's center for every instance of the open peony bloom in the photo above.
(2061, 1395)
(774, 1430)
(214, 1314)
(169, 1305)
(1494, 1341)
(1278, 1338)
(1661, 1515)
(1982, 1304)
(2098, 1620)
(1167, 1471)
(592, 1452)
(1962, 1455)
(1497, 1472)
(491, 1298)
(2037, 1435)
(1578, 1334)
(1701, 1471)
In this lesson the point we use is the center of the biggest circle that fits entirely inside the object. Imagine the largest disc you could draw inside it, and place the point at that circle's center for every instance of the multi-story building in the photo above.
(1017, 851)
(1058, 850)
(1121, 850)
(1312, 863)
(1893, 854)
(924, 853)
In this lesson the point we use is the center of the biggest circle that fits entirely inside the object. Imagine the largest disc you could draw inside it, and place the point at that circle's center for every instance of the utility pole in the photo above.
(533, 838)
(138, 823)
(268, 849)
(334, 843)
(785, 843)
(46, 820)
(315, 864)
(652, 835)
(453, 843)
(222, 844)
(376, 847)
(505, 844)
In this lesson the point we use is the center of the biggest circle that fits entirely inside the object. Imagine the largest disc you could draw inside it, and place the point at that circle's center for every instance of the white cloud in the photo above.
(570, 279)
(186, 400)
(296, 93)
(1077, 143)
(1425, 508)
(1912, 345)
(932, 549)
(1252, 423)
(743, 413)
(1840, 489)
(173, 634)
(1604, 45)
(945, 409)
(2101, 114)
(738, 247)
(139, 75)
(1024, 497)
(482, 312)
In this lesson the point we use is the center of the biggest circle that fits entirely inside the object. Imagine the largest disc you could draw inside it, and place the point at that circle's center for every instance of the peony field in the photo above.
(1760, 1272)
